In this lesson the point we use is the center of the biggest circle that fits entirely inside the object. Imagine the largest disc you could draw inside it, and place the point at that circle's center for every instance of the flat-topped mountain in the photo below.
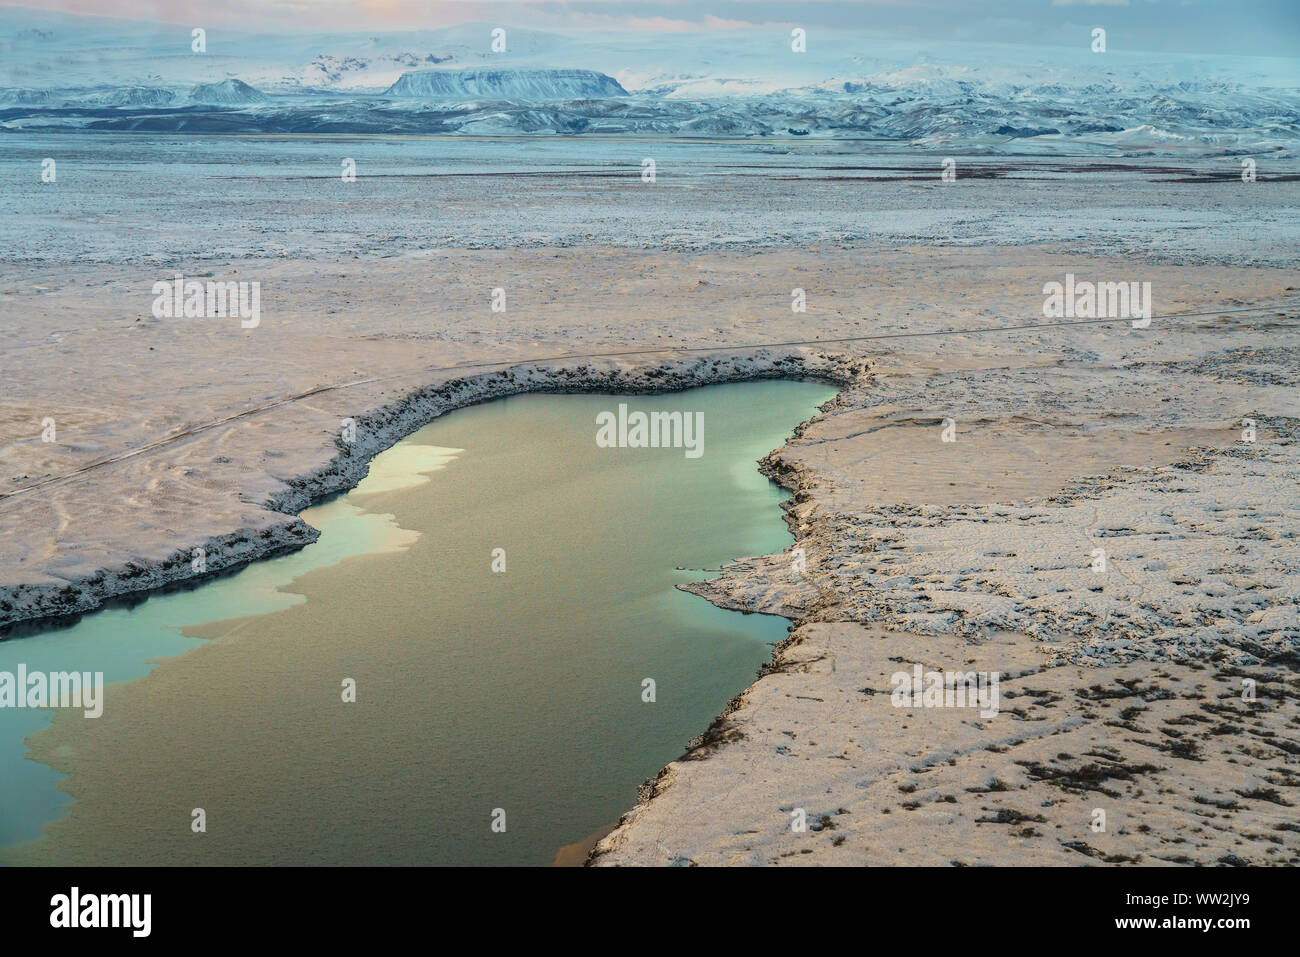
(508, 84)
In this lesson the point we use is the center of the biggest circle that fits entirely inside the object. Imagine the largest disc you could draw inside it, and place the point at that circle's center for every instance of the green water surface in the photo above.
(477, 690)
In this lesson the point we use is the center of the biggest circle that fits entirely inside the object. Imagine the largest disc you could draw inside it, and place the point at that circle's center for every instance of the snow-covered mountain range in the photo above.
(63, 71)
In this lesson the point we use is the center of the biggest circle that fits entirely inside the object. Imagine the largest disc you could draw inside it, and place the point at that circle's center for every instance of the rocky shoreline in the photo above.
(35, 605)
(1177, 674)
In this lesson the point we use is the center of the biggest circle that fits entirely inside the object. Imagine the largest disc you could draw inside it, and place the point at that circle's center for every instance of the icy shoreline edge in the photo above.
(32, 605)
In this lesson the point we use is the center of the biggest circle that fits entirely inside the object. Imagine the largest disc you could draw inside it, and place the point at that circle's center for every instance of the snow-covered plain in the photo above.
(162, 200)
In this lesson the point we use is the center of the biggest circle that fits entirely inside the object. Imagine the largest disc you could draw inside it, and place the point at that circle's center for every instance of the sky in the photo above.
(1257, 27)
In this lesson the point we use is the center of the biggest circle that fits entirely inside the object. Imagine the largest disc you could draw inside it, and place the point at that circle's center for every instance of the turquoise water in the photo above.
(477, 689)
(124, 644)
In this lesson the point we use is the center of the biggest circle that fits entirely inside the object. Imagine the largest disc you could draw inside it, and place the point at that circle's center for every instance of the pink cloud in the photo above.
(332, 15)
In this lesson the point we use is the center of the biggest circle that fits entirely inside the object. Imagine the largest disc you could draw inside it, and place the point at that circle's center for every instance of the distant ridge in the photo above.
(509, 84)
(230, 91)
